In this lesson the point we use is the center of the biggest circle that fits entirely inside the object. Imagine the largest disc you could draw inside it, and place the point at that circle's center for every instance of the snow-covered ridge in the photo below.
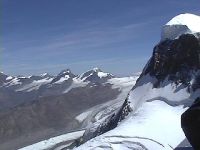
(65, 78)
(95, 74)
(181, 24)
(151, 127)
(190, 20)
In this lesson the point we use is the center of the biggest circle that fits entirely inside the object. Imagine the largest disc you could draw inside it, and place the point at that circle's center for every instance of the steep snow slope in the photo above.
(168, 84)
(181, 24)
(154, 126)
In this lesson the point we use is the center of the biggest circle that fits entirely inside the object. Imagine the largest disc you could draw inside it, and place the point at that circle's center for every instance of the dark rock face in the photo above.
(175, 58)
(190, 122)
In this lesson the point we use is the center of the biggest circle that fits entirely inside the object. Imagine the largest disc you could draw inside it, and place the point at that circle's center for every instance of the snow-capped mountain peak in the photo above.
(190, 20)
(181, 24)
(95, 75)
(45, 75)
(64, 75)
(97, 69)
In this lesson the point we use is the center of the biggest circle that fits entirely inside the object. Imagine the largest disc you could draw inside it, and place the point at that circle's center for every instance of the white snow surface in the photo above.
(76, 83)
(102, 74)
(35, 85)
(181, 24)
(167, 91)
(46, 144)
(14, 81)
(190, 20)
(154, 126)
(81, 117)
(62, 79)
(44, 74)
(9, 78)
(123, 82)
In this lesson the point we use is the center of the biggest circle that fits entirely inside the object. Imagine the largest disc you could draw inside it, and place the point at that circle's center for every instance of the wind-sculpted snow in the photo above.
(181, 24)
(171, 93)
(151, 127)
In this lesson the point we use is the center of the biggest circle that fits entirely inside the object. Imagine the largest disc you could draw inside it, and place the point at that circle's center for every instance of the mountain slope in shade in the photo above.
(168, 84)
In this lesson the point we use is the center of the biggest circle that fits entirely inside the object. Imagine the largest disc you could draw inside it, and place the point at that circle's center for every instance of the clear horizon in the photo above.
(115, 36)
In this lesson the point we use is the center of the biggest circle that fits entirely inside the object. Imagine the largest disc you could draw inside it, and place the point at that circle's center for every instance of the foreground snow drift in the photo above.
(155, 126)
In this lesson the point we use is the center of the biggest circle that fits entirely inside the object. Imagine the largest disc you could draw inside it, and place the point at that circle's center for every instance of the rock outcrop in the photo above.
(190, 121)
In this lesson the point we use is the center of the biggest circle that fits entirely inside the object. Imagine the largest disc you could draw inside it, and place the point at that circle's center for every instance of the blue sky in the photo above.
(115, 35)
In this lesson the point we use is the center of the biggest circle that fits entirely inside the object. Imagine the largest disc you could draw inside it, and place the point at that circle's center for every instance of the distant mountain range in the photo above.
(24, 89)
(37, 107)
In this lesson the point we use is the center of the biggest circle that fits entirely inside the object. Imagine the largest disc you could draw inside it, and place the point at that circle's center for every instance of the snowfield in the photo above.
(190, 20)
(76, 83)
(169, 92)
(181, 24)
(152, 123)
(35, 85)
(154, 126)
(46, 144)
